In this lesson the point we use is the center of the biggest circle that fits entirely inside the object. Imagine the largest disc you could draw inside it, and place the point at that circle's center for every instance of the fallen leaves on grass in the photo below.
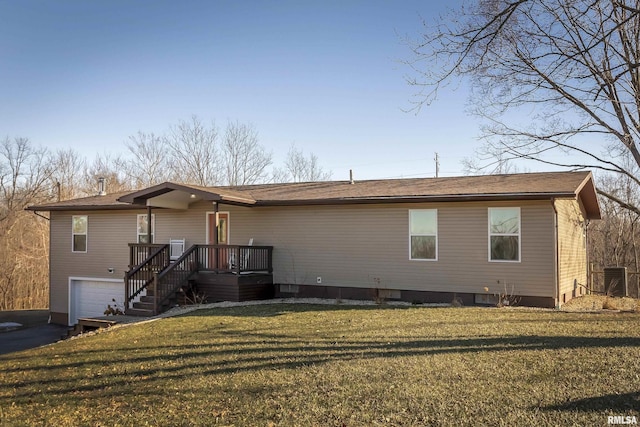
(594, 303)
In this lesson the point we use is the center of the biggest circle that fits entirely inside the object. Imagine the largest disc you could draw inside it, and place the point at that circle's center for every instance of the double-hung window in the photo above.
(423, 234)
(79, 229)
(504, 234)
(143, 228)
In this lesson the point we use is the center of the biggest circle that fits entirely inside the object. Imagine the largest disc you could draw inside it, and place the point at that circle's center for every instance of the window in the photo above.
(79, 226)
(423, 232)
(504, 234)
(142, 228)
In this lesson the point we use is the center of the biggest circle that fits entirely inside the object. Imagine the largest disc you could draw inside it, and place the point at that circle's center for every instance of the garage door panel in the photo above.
(90, 297)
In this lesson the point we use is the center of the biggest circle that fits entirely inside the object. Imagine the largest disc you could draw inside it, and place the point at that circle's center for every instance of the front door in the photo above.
(218, 225)
(223, 228)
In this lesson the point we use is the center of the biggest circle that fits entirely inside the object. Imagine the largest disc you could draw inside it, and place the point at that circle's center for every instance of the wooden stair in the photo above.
(144, 307)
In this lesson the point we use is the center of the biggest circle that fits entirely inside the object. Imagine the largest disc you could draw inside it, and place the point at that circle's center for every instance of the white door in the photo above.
(90, 297)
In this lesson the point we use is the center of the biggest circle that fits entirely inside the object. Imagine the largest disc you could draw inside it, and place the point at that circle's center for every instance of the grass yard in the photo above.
(335, 365)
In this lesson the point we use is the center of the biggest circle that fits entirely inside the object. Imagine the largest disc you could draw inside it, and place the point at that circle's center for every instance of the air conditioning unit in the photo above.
(615, 281)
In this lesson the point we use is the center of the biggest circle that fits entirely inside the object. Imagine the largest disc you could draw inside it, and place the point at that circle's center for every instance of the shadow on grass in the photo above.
(490, 314)
(188, 350)
(618, 403)
(272, 310)
(158, 363)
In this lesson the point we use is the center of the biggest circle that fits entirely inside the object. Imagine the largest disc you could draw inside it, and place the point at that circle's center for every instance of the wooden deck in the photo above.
(234, 287)
(208, 273)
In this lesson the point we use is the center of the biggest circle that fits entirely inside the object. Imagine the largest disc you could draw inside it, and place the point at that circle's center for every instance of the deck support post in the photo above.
(215, 235)
(155, 293)
(149, 225)
(127, 293)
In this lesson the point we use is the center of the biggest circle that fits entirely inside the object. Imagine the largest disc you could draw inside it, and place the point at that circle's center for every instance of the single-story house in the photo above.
(419, 240)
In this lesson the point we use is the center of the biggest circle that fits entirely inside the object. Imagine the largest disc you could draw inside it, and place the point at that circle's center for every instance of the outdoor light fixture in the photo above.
(193, 196)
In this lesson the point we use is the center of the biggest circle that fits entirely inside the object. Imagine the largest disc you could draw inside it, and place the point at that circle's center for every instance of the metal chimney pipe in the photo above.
(102, 190)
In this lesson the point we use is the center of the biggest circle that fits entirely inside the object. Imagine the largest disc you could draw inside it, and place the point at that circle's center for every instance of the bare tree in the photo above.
(299, 168)
(108, 167)
(193, 149)
(67, 167)
(149, 162)
(557, 81)
(245, 160)
(25, 173)
(615, 240)
(24, 170)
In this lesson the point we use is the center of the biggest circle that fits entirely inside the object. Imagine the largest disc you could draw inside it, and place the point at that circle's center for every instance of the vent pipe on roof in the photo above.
(351, 181)
(102, 190)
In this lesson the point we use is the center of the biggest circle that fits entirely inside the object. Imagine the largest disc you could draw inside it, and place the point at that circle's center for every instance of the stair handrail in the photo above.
(186, 264)
(145, 274)
(146, 261)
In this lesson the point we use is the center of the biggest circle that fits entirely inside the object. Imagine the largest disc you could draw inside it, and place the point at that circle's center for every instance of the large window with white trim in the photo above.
(423, 234)
(142, 228)
(79, 232)
(504, 234)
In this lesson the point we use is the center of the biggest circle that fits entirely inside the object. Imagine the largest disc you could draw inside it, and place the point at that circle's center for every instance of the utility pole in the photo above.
(437, 165)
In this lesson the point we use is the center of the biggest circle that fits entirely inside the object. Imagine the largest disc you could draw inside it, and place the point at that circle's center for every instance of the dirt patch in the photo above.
(595, 303)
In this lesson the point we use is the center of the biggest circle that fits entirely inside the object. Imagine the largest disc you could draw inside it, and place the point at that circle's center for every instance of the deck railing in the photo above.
(142, 274)
(164, 278)
(140, 252)
(236, 259)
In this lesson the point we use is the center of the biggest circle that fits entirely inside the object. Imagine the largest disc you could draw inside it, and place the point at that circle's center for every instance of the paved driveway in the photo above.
(33, 332)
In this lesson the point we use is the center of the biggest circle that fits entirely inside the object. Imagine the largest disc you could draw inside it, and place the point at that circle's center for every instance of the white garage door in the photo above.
(90, 297)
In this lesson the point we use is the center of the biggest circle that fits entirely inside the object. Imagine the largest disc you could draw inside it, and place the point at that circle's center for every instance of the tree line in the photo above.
(191, 152)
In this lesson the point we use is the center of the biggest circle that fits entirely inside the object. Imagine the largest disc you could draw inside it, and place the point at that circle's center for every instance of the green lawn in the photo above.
(298, 365)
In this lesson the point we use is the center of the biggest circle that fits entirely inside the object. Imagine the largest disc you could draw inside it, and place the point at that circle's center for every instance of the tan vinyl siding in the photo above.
(368, 246)
(571, 248)
(109, 233)
(183, 224)
(107, 237)
(364, 246)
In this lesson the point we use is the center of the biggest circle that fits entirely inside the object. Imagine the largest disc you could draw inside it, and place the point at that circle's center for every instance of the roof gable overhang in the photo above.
(180, 196)
(588, 196)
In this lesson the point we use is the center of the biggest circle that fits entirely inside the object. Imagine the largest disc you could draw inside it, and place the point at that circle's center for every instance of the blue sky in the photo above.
(325, 76)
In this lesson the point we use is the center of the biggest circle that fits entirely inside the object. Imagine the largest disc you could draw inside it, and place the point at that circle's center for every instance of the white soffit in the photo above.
(172, 200)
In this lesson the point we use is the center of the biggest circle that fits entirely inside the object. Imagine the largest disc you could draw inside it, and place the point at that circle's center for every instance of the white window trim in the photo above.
(153, 228)
(435, 235)
(519, 234)
(85, 234)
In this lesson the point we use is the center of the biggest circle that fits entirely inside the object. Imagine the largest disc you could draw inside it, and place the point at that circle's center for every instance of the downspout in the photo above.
(556, 253)
(587, 222)
(42, 216)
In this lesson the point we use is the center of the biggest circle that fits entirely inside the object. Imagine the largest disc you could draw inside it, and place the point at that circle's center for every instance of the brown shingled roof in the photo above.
(534, 184)
(545, 185)
(109, 201)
